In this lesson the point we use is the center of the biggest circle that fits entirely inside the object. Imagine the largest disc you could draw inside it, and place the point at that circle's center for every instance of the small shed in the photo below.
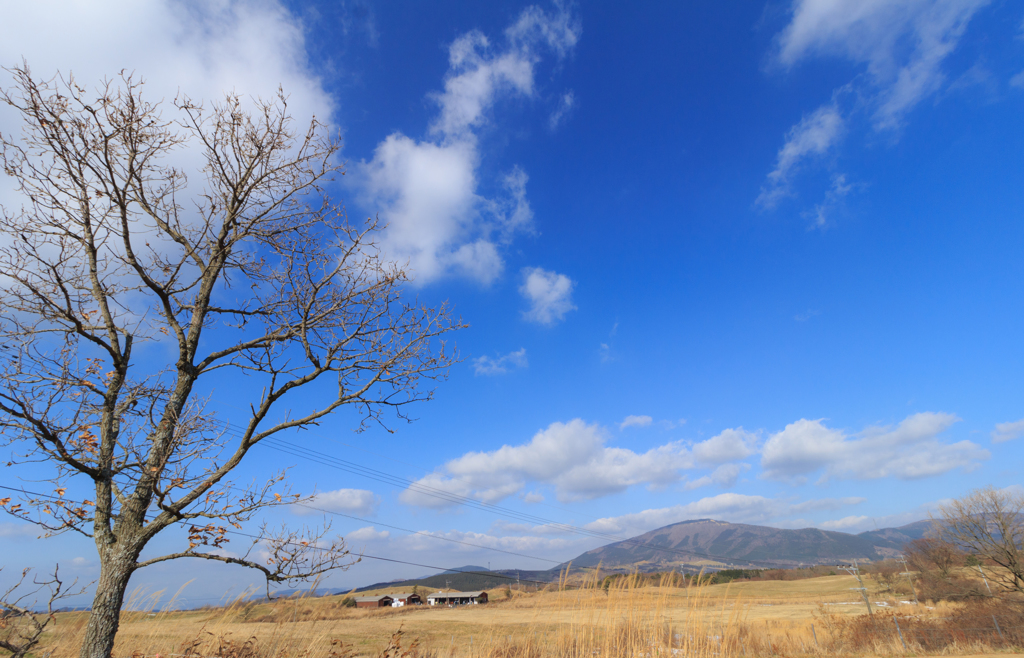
(457, 598)
(405, 598)
(380, 601)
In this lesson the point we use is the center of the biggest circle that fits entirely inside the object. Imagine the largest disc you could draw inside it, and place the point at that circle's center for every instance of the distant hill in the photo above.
(705, 543)
(477, 579)
(695, 545)
(890, 541)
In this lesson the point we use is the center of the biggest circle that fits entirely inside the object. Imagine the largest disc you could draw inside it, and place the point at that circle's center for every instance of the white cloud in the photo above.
(565, 105)
(525, 543)
(732, 507)
(724, 476)
(813, 136)
(349, 501)
(549, 294)
(427, 191)
(1008, 431)
(902, 43)
(845, 523)
(730, 445)
(1018, 80)
(248, 46)
(485, 365)
(571, 456)
(367, 534)
(832, 201)
(20, 530)
(635, 421)
(819, 504)
(909, 450)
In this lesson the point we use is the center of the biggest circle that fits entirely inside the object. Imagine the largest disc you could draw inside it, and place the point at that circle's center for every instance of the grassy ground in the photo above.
(755, 618)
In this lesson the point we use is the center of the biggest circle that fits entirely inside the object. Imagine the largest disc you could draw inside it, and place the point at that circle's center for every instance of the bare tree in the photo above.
(21, 627)
(989, 523)
(249, 276)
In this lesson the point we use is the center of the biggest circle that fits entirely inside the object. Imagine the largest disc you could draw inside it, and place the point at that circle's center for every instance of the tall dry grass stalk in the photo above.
(591, 619)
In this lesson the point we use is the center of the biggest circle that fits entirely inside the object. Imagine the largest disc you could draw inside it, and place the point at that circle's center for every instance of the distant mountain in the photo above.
(705, 543)
(695, 545)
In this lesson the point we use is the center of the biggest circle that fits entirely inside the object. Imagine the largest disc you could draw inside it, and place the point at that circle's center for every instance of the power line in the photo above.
(382, 456)
(319, 548)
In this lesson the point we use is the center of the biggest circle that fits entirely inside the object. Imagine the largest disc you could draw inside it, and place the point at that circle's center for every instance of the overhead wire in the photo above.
(394, 480)
(320, 548)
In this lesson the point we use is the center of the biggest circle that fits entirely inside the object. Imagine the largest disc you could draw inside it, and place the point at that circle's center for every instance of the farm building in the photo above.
(405, 598)
(457, 598)
(381, 601)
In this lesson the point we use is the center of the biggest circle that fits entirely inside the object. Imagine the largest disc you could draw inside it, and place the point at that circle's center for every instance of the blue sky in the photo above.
(750, 261)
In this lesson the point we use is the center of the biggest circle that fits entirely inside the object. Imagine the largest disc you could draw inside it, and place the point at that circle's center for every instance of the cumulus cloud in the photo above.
(427, 191)
(909, 450)
(1008, 431)
(902, 44)
(813, 136)
(730, 445)
(635, 421)
(485, 365)
(368, 533)
(845, 523)
(248, 46)
(570, 456)
(549, 294)
(349, 501)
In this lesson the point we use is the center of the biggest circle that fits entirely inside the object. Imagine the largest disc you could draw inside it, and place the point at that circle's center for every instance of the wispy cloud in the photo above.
(822, 215)
(549, 294)
(902, 44)
(565, 105)
(485, 365)
(813, 136)
(724, 476)
(635, 421)
(1008, 431)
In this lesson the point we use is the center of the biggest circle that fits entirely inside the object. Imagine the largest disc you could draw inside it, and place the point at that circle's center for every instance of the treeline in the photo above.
(675, 579)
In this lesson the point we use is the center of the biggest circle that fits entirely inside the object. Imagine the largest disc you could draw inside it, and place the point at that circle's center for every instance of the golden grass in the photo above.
(819, 616)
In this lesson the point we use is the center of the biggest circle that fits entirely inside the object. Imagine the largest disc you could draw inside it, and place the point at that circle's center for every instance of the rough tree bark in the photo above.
(248, 274)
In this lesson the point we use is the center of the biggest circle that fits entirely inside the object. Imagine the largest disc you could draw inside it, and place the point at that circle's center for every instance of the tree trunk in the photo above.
(115, 572)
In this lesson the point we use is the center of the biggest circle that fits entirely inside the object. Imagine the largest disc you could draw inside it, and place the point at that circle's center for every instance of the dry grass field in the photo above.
(819, 616)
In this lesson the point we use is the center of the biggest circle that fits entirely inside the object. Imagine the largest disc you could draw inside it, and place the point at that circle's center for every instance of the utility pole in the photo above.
(855, 571)
(910, 577)
(985, 578)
